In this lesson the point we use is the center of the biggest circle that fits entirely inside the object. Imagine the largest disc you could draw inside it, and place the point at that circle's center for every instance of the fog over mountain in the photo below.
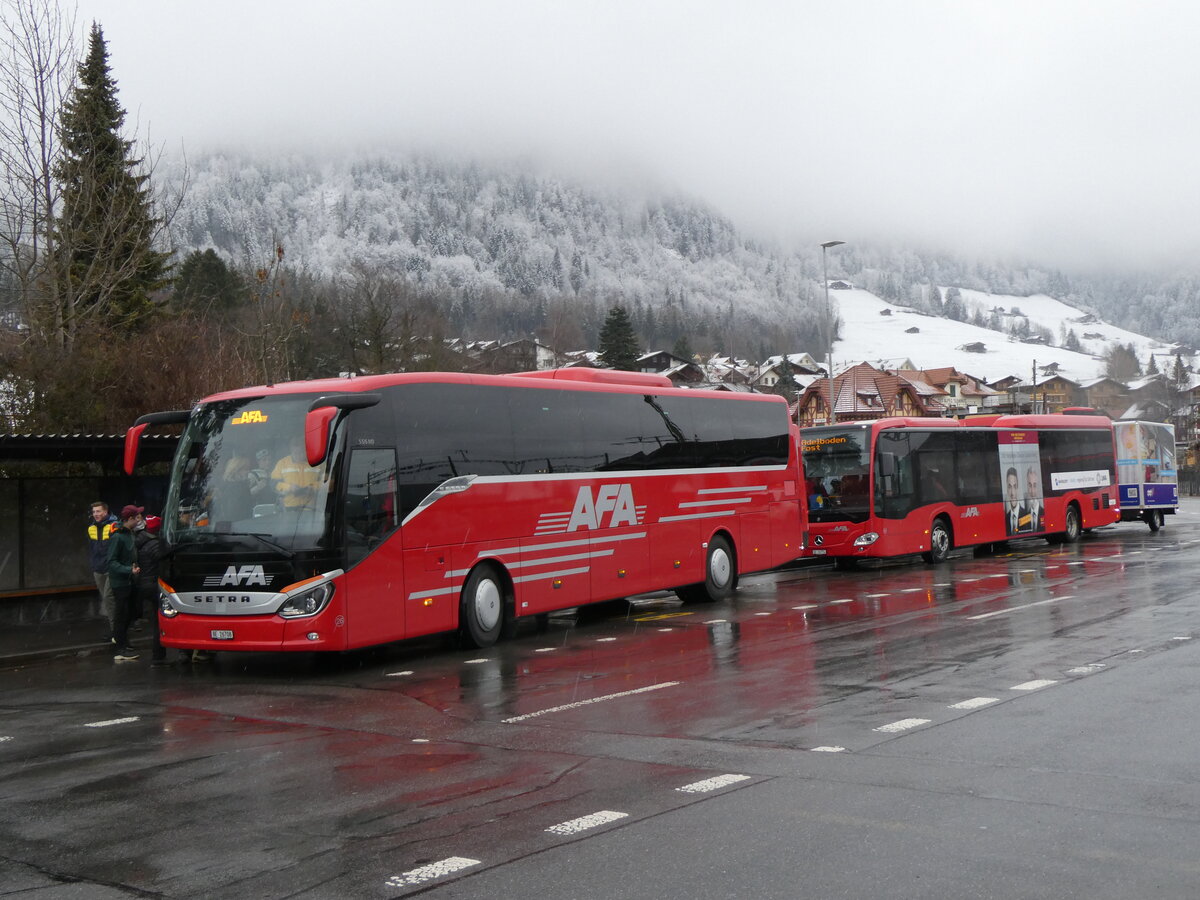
(482, 236)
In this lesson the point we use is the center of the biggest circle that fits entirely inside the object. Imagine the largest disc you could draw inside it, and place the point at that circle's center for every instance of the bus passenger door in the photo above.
(374, 583)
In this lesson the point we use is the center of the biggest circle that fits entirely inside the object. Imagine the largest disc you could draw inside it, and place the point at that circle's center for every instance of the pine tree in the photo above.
(618, 343)
(1152, 368)
(205, 284)
(107, 267)
(683, 349)
(1179, 375)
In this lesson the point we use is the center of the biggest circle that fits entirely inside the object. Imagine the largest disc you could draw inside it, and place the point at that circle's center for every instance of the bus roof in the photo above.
(607, 380)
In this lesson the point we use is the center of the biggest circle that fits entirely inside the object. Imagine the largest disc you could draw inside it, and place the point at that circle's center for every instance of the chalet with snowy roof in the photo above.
(685, 374)
(959, 393)
(1106, 395)
(865, 392)
(1054, 394)
(522, 355)
(660, 361)
(802, 366)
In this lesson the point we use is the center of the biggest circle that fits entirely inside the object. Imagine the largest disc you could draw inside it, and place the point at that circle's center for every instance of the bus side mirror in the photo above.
(316, 434)
(887, 464)
(132, 436)
(321, 413)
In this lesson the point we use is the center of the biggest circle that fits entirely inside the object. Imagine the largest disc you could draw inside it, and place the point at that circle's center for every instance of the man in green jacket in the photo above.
(122, 576)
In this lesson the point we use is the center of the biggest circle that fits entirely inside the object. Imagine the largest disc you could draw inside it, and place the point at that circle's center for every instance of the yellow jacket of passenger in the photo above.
(295, 482)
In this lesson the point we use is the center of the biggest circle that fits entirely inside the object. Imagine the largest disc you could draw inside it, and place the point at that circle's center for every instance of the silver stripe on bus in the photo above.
(544, 561)
(719, 502)
(703, 515)
(436, 592)
(542, 576)
(558, 545)
(732, 490)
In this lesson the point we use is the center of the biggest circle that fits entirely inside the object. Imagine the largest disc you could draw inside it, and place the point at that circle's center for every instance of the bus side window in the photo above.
(371, 509)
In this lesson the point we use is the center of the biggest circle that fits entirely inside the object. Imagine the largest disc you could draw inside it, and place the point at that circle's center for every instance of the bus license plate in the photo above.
(221, 635)
(818, 553)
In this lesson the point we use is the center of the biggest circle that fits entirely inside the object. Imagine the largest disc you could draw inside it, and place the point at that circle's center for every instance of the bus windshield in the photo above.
(241, 470)
(837, 473)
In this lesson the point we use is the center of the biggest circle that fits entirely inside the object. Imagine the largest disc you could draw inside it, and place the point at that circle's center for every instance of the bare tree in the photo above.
(38, 57)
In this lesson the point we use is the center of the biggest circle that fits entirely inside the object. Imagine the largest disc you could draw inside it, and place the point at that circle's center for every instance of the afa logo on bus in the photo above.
(612, 506)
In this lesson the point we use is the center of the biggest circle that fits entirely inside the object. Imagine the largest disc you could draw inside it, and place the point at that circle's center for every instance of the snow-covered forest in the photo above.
(498, 247)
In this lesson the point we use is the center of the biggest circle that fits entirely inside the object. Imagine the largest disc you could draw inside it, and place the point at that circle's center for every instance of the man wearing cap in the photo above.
(123, 572)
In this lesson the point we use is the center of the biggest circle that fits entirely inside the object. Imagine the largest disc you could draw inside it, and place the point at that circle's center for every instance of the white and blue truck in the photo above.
(1146, 471)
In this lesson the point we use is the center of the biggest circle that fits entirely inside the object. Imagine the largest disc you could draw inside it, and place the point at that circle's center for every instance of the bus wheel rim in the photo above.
(487, 604)
(719, 567)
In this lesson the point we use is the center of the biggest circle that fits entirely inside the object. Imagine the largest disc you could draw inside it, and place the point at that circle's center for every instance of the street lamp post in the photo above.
(825, 245)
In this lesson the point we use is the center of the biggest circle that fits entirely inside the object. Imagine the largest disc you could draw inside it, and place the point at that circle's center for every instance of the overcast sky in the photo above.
(1057, 129)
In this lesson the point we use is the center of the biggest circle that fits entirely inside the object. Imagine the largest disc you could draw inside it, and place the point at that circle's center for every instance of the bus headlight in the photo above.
(866, 540)
(164, 605)
(307, 603)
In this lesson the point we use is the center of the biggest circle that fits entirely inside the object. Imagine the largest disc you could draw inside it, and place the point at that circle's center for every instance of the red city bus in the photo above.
(912, 485)
(333, 514)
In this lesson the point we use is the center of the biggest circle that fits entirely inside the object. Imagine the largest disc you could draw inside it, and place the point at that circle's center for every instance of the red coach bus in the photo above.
(910, 485)
(328, 515)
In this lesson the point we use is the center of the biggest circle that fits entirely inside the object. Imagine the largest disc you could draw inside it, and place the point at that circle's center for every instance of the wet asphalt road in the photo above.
(1015, 725)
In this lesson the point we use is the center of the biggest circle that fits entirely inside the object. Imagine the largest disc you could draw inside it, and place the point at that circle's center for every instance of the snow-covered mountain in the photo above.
(877, 331)
(498, 247)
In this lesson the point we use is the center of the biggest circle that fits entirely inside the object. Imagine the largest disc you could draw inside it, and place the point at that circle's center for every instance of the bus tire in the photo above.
(941, 542)
(720, 569)
(1073, 530)
(484, 607)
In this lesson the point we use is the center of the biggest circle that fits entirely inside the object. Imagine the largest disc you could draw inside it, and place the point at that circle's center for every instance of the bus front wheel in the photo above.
(482, 613)
(940, 542)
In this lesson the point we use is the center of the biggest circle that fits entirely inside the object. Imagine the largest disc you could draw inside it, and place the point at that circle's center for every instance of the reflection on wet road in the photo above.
(385, 772)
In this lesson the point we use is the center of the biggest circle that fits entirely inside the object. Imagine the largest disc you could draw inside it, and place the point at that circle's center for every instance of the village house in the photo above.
(865, 392)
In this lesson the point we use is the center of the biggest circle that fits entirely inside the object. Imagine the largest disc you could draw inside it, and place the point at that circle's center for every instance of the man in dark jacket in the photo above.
(149, 549)
(123, 571)
(100, 526)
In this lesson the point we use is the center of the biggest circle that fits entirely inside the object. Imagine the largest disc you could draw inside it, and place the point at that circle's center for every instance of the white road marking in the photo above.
(665, 629)
(1181, 638)
(604, 640)
(712, 784)
(583, 823)
(398, 674)
(716, 621)
(828, 749)
(851, 599)
(762, 614)
(973, 703)
(433, 870)
(874, 596)
(108, 722)
(4, 738)
(902, 725)
(420, 740)
(1004, 612)
(545, 649)
(475, 662)
(1086, 670)
(912, 590)
(1033, 685)
(805, 606)
(602, 699)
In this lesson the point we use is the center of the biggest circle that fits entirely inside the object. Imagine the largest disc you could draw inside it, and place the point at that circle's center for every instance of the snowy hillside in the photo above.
(876, 331)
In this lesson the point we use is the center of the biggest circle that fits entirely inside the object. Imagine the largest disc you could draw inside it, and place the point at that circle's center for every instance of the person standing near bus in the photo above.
(295, 480)
(99, 529)
(149, 549)
(123, 571)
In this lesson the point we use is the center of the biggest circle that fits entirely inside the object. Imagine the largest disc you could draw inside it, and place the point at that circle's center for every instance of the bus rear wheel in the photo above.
(940, 542)
(720, 575)
(483, 611)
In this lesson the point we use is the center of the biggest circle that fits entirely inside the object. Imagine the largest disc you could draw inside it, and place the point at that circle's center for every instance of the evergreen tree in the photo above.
(1152, 368)
(618, 344)
(1179, 375)
(1071, 342)
(108, 267)
(205, 284)
(683, 349)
